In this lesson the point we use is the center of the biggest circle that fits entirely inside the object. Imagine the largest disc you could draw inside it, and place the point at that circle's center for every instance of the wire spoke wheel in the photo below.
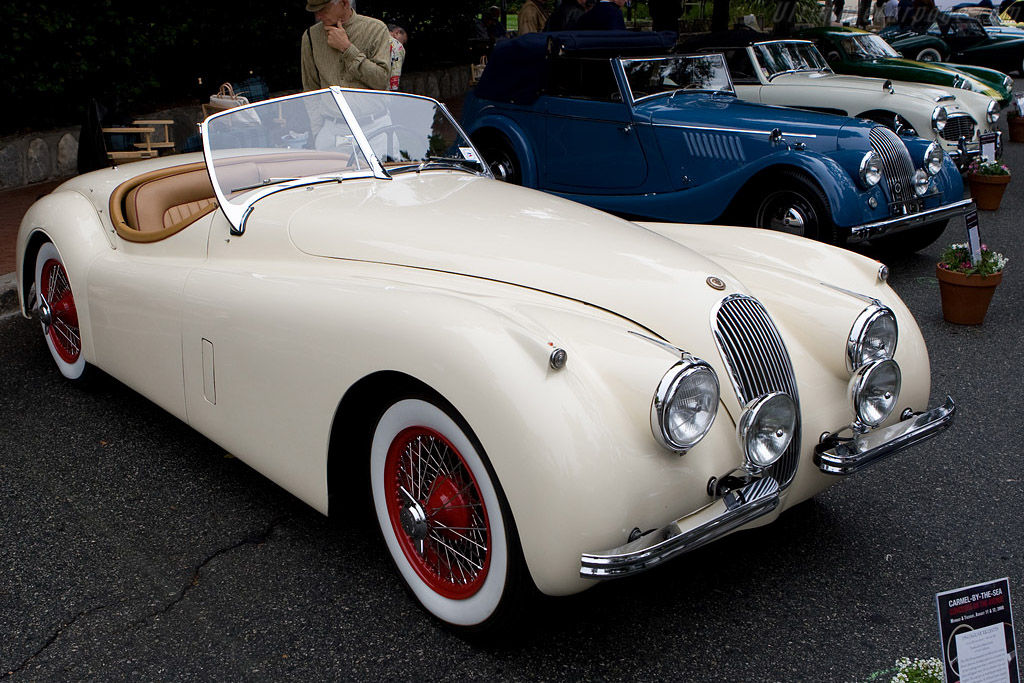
(443, 517)
(58, 312)
(437, 511)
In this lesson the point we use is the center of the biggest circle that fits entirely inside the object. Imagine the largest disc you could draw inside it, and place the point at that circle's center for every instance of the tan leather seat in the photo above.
(171, 201)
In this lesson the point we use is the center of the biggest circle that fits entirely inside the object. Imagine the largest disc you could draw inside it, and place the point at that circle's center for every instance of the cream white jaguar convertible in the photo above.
(535, 394)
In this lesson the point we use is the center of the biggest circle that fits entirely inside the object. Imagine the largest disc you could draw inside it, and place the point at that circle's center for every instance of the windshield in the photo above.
(787, 56)
(867, 46)
(656, 75)
(329, 135)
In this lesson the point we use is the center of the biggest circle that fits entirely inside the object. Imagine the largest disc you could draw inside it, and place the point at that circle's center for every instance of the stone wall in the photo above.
(49, 155)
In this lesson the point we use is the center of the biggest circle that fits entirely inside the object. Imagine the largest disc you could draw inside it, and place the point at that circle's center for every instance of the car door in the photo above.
(590, 138)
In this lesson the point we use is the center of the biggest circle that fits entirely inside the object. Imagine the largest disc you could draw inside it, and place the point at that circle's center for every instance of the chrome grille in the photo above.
(956, 126)
(896, 166)
(758, 364)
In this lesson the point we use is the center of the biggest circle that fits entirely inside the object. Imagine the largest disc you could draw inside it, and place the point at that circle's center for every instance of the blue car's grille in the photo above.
(957, 126)
(712, 146)
(758, 364)
(897, 168)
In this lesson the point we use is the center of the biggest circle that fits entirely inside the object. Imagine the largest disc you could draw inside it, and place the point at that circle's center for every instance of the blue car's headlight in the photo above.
(933, 158)
(870, 170)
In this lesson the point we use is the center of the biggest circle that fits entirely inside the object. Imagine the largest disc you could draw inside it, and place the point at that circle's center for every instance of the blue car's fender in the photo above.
(494, 123)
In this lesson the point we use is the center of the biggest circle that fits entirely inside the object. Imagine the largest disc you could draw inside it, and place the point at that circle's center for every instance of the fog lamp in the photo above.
(875, 389)
(766, 427)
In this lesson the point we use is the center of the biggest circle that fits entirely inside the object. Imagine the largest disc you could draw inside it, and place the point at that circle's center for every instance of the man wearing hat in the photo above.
(344, 48)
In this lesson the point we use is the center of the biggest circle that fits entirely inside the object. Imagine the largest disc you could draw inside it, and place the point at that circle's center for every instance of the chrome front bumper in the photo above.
(847, 456)
(729, 512)
(758, 498)
(859, 233)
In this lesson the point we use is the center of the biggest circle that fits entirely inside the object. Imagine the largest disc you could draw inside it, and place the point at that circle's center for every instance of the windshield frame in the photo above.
(237, 212)
(758, 48)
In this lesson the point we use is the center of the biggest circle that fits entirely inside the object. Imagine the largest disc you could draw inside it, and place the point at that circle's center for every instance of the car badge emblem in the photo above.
(716, 283)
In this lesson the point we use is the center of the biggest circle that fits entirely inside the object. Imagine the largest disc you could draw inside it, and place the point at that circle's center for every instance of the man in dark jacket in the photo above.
(565, 16)
(604, 16)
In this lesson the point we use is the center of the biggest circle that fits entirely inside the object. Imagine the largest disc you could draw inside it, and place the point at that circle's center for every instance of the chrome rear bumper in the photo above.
(848, 456)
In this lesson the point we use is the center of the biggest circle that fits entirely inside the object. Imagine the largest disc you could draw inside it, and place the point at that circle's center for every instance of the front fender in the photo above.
(69, 220)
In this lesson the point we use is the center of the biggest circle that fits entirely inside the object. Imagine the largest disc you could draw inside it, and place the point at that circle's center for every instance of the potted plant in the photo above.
(966, 288)
(988, 181)
(1015, 122)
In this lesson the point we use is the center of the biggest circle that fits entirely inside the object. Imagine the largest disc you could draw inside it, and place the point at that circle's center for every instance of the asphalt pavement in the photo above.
(131, 548)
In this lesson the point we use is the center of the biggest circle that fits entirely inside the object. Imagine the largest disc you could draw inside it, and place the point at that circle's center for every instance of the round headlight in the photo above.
(933, 158)
(766, 428)
(961, 83)
(1008, 82)
(872, 338)
(992, 111)
(874, 389)
(870, 169)
(939, 119)
(685, 405)
(921, 182)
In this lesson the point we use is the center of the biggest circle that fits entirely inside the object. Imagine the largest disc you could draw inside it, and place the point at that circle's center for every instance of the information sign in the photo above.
(973, 236)
(976, 627)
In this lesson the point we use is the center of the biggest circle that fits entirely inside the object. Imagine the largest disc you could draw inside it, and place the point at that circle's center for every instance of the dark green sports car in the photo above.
(861, 53)
(961, 39)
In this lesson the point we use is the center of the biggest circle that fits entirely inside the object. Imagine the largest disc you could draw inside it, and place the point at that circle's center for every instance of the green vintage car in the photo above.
(961, 39)
(862, 53)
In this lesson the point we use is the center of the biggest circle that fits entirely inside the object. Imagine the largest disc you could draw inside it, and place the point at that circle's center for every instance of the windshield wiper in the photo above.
(277, 181)
(263, 183)
(442, 162)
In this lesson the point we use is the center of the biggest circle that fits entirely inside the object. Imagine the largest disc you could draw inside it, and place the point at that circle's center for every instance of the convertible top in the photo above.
(517, 69)
(739, 37)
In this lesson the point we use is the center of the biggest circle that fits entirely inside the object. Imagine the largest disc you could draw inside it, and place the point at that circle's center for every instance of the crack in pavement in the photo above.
(49, 641)
(256, 538)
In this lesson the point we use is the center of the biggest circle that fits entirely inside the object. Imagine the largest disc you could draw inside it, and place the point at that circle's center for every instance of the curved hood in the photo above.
(865, 84)
(468, 225)
(726, 111)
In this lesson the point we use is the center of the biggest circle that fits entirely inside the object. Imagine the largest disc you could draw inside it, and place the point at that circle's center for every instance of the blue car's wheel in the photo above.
(502, 160)
(790, 203)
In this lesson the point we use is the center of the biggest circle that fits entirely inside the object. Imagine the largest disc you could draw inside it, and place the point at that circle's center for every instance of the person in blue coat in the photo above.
(604, 16)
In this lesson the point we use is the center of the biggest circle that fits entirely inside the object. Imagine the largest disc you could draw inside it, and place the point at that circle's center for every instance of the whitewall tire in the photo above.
(58, 313)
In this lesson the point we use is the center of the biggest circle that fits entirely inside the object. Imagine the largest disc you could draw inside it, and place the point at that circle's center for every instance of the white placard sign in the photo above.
(982, 655)
(988, 146)
(973, 236)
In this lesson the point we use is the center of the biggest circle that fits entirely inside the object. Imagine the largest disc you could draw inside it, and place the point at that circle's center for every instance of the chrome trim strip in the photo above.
(731, 130)
(850, 456)
(724, 515)
(866, 231)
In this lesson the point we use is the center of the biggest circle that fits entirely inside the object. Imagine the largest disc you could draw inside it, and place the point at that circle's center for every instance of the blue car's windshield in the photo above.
(651, 76)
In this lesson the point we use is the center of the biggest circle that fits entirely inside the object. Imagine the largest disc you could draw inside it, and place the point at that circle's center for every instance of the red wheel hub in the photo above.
(437, 512)
(60, 323)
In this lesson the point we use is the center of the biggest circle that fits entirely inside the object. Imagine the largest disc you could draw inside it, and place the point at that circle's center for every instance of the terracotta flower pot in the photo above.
(1016, 125)
(987, 190)
(965, 298)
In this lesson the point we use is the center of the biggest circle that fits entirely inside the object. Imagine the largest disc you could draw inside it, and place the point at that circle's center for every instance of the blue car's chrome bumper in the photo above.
(761, 496)
(859, 233)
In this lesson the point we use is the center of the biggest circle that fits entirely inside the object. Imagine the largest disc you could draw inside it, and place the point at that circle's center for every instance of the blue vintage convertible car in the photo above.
(614, 120)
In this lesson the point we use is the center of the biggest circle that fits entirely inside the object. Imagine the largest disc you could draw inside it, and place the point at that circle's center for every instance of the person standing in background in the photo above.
(398, 38)
(604, 16)
(565, 16)
(344, 48)
(532, 17)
